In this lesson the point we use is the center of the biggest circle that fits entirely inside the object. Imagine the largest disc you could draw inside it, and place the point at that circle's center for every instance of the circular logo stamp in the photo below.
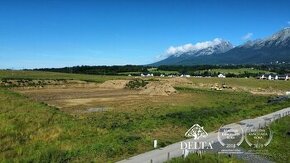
(258, 137)
(231, 136)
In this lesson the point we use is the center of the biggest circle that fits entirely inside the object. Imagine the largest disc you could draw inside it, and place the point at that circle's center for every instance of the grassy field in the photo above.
(15, 74)
(130, 73)
(151, 70)
(279, 147)
(238, 71)
(241, 82)
(246, 83)
(223, 71)
(31, 130)
(155, 70)
(34, 131)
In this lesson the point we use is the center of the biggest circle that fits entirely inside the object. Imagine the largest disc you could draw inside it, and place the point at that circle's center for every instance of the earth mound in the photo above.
(158, 89)
(114, 84)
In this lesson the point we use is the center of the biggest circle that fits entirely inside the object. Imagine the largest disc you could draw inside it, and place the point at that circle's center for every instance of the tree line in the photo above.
(195, 70)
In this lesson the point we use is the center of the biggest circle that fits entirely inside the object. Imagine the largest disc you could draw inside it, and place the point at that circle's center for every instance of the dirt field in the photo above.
(110, 95)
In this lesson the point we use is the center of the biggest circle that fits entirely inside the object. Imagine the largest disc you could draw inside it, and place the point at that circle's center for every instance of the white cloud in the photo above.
(192, 47)
(247, 36)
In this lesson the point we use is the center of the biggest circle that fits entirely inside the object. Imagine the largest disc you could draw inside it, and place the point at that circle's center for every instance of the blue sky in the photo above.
(58, 33)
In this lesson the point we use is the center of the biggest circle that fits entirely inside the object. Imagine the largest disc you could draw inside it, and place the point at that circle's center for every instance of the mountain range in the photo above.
(262, 51)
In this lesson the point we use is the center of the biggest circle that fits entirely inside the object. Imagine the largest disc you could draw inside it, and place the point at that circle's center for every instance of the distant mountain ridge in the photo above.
(261, 51)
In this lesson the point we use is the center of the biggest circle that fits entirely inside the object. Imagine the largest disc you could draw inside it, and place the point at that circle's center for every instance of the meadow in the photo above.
(247, 83)
(238, 71)
(279, 148)
(41, 75)
(31, 130)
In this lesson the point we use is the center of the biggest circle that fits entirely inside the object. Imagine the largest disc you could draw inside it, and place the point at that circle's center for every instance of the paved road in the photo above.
(174, 150)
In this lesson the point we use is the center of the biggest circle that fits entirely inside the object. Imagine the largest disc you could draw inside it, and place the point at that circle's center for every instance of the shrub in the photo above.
(136, 83)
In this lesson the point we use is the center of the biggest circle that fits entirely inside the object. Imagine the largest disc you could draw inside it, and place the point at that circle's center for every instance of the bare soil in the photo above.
(84, 97)
(110, 95)
(114, 84)
(158, 89)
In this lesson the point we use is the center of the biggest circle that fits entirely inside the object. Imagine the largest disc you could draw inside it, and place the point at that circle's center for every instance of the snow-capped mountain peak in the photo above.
(280, 38)
(262, 51)
(281, 35)
(217, 45)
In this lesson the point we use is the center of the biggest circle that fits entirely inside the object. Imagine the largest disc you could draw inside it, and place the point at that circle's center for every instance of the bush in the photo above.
(135, 84)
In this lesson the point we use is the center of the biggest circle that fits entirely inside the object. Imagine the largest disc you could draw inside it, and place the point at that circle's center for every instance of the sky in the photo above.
(59, 33)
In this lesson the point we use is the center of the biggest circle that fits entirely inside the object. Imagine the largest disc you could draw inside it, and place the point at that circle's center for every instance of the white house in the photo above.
(187, 76)
(275, 77)
(148, 75)
(268, 76)
(221, 76)
(263, 77)
(284, 77)
(281, 77)
(162, 75)
(142, 75)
